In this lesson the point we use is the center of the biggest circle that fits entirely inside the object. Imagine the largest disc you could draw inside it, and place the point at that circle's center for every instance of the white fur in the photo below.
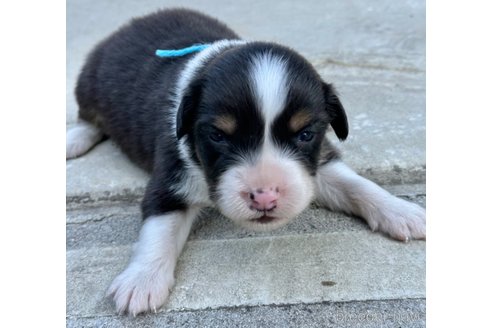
(80, 138)
(272, 168)
(145, 284)
(269, 79)
(340, 188)
(194, 187)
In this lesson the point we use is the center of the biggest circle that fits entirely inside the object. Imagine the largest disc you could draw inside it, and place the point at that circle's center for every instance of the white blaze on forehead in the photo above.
(270, 87)
(269, 80)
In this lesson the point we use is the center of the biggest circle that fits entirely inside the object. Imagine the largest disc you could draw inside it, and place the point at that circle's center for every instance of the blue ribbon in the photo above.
(181, 52)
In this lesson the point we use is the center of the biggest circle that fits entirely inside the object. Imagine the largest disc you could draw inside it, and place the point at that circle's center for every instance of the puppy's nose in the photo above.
(264, 199)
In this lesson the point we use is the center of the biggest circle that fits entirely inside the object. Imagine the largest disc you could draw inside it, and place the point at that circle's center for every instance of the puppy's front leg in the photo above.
(145, 284)
(341, 189)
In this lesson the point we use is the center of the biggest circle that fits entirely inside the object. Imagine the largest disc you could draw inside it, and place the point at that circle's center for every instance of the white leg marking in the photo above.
(82, 137)
(145, 284)
(340, 188)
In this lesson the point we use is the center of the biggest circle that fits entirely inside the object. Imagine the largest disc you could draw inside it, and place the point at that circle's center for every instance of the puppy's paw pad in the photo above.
(138, 289)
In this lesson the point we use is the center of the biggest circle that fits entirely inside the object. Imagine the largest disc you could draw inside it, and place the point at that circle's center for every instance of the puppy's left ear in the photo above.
(335, 109)
(187, 109)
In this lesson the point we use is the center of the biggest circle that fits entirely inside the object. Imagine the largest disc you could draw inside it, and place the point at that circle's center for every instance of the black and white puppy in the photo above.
(239, 125)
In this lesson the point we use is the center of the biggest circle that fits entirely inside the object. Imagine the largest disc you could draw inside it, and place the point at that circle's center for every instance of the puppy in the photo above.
(237, 125)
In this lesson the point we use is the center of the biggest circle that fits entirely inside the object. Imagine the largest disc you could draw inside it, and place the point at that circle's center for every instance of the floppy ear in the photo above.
(187, 109)
(337, 113)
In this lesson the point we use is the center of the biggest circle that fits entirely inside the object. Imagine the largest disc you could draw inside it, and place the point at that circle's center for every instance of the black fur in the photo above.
(337, 112)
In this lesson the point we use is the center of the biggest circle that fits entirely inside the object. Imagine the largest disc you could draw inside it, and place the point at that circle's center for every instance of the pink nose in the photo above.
(264, 199)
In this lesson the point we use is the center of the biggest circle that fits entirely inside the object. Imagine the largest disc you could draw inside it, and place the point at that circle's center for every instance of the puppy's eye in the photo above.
(305, 136)
(217, 136)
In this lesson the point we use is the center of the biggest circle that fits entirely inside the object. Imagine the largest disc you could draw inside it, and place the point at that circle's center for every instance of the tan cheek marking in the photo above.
(226, 124)
(299, 120)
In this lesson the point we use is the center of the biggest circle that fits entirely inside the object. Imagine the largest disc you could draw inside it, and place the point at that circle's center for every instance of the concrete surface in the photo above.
(322, 259)
(374, 53)
(261, 271)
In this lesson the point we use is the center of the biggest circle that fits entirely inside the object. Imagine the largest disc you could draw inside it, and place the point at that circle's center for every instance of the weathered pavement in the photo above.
(324, 269)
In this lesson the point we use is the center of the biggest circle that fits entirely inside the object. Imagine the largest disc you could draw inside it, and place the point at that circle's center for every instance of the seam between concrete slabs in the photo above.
(238, 307)
(133, 197)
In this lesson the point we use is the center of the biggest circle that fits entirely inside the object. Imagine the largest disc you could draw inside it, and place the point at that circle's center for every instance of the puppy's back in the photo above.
(125, 90)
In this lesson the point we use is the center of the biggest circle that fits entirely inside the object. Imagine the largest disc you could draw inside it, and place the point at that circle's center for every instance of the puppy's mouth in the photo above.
(265, 219)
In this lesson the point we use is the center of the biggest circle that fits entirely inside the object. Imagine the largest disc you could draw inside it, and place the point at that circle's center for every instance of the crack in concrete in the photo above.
(245, 306)
(92, 220)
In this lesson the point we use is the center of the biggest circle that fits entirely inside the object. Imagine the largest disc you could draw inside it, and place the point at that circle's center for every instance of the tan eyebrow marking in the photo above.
(226, 123)
(300, 120)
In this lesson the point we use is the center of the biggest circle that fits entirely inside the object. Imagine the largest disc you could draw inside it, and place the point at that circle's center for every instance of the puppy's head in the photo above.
(255, 118)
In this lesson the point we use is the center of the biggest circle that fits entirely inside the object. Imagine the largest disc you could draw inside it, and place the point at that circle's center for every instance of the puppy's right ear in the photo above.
(336, 111)
(187, 109)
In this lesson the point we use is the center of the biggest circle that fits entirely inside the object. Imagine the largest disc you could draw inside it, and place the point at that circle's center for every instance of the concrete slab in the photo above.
(308, 268)
(311, 26)
(103, 174)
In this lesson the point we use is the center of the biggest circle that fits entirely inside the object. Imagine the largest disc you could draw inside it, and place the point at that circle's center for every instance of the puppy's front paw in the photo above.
(400, 219)
(141, 289)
